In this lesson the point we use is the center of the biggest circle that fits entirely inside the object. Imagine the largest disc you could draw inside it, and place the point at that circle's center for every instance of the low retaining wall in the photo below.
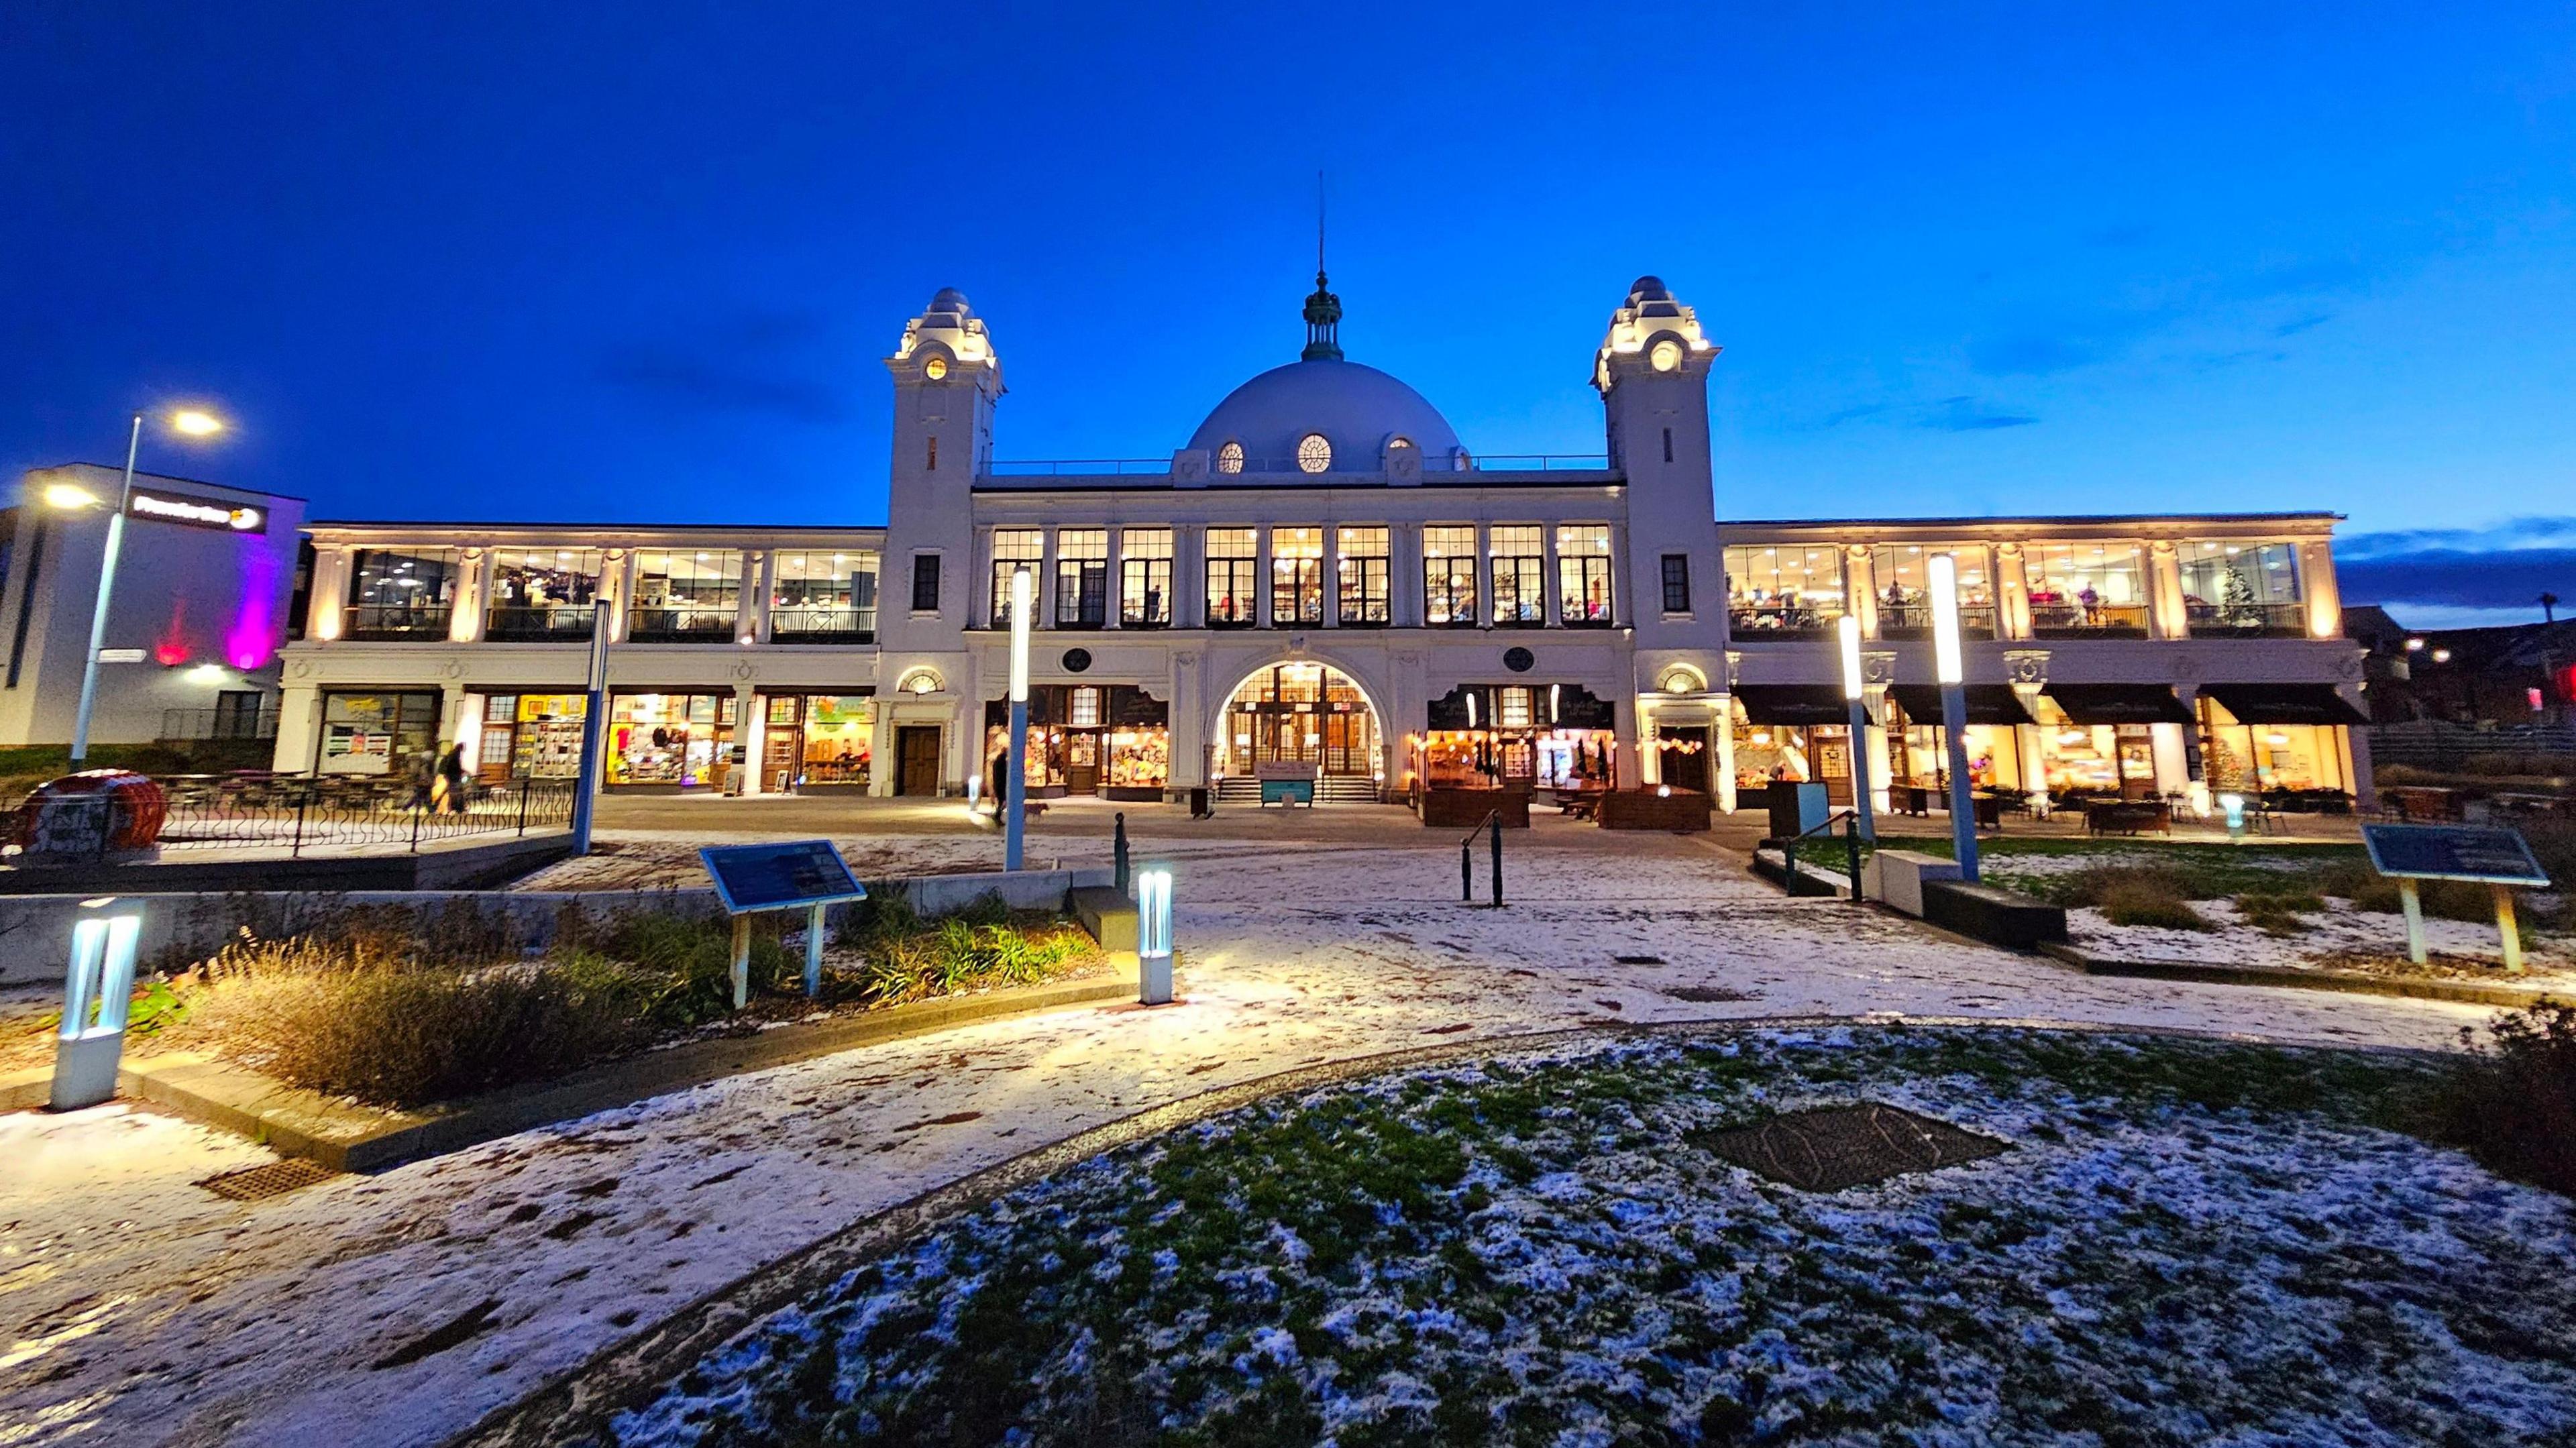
(2465, 992)
(35, 930)
(440, 866)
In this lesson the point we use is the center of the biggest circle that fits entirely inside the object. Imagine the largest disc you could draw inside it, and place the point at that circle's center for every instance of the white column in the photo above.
(452, 723)
(2012, 595)
(1485, 594)
(1879, 754)
(1261, 614)
(1189, 584)
(1332, 575)
(1862, 588)
(747, 609)
(622, 574)
(750, 722)
(2167, 618)
(1623, 607)
(1043, 587)
(1117, 585)
(1404, 587)
(299, 711)
(329, 599)
(473, 594)
(2317, 586)
(765, 593)
(1549, 602)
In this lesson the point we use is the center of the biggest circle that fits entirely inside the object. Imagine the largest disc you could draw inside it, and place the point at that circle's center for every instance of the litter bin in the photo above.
(1199, 802)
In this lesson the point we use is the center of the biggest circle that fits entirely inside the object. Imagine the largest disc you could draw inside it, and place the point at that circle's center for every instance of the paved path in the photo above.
(136, 1310)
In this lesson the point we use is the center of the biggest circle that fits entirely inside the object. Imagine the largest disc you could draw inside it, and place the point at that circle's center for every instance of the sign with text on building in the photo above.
(192, 511)
(120, 656)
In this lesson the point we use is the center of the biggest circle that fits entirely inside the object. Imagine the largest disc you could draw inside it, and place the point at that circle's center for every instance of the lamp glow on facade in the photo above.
(70, 497)
(1942, 572)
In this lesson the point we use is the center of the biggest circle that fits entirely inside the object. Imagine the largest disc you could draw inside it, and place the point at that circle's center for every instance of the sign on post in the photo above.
(2498, 858)
(807, 875)
(96, 995)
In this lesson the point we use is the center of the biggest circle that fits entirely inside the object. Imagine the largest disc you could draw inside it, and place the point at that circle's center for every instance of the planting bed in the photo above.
(2057, 1238)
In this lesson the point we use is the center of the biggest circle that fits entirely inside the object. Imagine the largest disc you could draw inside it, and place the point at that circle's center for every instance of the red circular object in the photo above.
(137, 806)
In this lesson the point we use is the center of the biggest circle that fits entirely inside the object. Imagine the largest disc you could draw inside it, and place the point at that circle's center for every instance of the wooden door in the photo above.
(782, 754)
(1833, 766)
(1082, 763)
(916, 749)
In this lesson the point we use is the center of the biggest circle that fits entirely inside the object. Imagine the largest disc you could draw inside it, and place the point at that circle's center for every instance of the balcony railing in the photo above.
(395, 623)
(548, 623)
(822, 625)
(681, 625)
(1752, 623)
(2247, 620)
(194, 724)
(1914, 620)
(2078, 620)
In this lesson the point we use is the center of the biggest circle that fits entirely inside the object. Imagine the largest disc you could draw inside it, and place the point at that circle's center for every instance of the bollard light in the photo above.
(2234, 805)
(1154, 936)
(97, 992)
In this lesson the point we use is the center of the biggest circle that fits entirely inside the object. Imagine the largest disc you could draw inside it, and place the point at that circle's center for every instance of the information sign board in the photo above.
(2452, 852)
(786, 875)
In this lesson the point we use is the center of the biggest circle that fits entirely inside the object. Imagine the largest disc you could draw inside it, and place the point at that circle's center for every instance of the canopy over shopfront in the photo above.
(2285, 704)
(1796, 705)
(1520, 706)
(1987, 703)
(2119, 704)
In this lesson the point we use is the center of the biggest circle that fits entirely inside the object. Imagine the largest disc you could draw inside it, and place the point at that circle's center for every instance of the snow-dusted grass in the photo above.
(2188, 1242)
(2338, 937)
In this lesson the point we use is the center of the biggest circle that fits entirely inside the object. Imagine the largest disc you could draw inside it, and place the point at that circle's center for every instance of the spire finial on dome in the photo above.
(1323, 309)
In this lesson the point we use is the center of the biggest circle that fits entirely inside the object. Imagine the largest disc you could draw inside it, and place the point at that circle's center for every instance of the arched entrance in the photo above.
(1300, 711)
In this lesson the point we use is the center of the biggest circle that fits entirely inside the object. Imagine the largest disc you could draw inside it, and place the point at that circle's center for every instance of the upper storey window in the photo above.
(1899, 571)
(2242, 588)
(2087, 588)
(1013, 550)
(1233, 556)
(1520, 574)
(1449, 575)
(402, 593)
(1296, 575)
(1774, 592)
(542, 593)
(685, 596)
(1145, 591)
(824, 598)
(1229, 458)
(1583, 574)
(1314, 454)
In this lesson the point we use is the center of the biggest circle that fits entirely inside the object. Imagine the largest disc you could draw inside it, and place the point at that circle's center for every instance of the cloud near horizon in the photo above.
(2505, 566)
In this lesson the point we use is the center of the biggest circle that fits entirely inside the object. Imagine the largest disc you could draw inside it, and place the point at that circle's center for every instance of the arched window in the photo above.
(1314, 454)
(1229, 458)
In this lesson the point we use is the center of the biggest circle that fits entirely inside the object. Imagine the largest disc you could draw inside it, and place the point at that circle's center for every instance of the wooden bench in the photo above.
(2128, 817)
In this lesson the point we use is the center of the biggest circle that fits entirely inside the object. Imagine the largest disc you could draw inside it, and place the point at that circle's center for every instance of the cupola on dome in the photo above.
(1269, 424)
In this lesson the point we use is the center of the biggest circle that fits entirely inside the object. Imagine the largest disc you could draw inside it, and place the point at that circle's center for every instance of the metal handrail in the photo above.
(1851, 843)
(1493, 821)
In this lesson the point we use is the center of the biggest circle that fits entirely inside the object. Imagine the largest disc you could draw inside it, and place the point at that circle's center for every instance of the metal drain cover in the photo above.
(1833, 1147)
(1638, 959)
(276, 1179)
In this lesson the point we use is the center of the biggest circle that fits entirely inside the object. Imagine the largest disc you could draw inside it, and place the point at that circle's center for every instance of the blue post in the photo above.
(1015, 818)
(1963, 808)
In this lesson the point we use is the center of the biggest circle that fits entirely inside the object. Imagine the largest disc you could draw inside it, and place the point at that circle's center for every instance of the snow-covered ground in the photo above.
(2338, 936)
(144, 1312)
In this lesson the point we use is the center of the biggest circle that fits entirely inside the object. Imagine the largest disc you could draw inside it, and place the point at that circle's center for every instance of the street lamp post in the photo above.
(1943, 576)
(194, 424)
(1849, 630)
(1015, 825)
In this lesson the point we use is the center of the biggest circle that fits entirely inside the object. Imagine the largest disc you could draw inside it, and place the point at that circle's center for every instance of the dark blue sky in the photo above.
(640, 261)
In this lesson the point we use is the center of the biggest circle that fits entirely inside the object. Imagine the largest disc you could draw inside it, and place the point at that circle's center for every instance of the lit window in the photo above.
(1229, 458)
(1314, 454)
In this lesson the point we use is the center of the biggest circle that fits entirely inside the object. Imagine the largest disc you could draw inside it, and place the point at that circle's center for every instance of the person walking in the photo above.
(451, 779)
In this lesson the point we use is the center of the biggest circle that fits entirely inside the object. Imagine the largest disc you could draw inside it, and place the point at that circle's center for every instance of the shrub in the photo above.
(686, 963)
(954, 956)
(404, 1036)
(2278, 912)
(2513, 1106)
(2151, 903)
(2097, 885)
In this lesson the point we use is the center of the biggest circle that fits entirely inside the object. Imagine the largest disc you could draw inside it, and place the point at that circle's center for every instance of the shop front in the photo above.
(2278, 740)
(389, 732)
(669, 742)
(530, 736)
(1919, 752)
(1113, 740)
(817, 741)
(2105, 741)
(1518, 736)
(1793, 732)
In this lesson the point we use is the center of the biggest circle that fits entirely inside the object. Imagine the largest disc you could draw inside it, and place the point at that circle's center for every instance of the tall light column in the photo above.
(1015, 823)
(1943, 578)
(194, 424)
(1849, 630)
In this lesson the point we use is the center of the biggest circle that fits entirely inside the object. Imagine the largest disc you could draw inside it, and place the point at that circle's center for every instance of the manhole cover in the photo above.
(276, 1179)
(1833, 1147)
(1638, 959)
(1705, 994)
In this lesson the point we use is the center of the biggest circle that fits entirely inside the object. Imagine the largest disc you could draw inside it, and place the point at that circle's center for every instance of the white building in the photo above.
(1325, 574)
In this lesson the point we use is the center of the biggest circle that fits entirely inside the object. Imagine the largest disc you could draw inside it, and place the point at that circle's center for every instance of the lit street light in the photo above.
(190, 422)
(1849, 629)
(1943, 573)
(1018, 773)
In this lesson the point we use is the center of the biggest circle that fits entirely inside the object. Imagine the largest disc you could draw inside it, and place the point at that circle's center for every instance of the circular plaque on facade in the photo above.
(1076, 660)
(1518, 660)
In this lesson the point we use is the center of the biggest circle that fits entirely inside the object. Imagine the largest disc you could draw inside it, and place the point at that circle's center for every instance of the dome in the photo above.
(1357, 408)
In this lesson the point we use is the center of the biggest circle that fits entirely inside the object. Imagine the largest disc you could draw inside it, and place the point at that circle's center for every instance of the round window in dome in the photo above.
(1666, 355)
(935, 369)
(1229, 458)
(1314, 454)
(1399, 442)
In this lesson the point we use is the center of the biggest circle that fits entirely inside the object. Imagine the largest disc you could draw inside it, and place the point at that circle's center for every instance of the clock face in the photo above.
(935, 369)
(1666, 355)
